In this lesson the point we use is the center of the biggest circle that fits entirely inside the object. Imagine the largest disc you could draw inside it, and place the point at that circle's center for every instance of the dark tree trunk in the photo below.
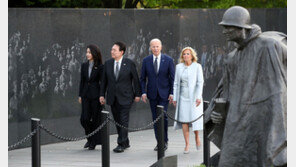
(112, 3)
(131, 3)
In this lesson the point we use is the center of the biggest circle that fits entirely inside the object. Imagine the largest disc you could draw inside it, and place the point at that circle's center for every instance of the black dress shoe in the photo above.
(125, 147)
(165, 147)
(92, 147)
(86, 145)
(118, 149)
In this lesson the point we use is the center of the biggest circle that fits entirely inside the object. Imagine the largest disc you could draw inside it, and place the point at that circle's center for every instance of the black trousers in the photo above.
(90, 119)
(121, 115)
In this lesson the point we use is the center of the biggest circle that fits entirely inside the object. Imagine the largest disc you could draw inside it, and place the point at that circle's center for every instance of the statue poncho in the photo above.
(254, 82)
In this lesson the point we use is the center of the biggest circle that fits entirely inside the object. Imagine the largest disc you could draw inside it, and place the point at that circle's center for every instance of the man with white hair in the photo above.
(159, 69)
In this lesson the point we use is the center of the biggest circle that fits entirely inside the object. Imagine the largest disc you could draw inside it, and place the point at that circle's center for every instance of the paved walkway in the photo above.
(140, 154)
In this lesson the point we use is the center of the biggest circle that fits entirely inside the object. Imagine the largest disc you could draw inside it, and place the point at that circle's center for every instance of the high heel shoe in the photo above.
(186, 151)
(198, 147)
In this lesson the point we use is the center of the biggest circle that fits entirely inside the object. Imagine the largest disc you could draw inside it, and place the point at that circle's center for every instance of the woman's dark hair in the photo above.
(96, 53)
(121, 46)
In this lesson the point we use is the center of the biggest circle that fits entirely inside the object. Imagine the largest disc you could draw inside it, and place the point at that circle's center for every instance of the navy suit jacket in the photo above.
(161, 82)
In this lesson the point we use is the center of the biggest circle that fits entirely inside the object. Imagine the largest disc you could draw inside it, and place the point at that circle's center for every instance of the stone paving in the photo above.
(140, 154)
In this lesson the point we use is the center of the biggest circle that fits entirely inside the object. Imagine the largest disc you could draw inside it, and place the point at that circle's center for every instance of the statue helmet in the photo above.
(236, 16)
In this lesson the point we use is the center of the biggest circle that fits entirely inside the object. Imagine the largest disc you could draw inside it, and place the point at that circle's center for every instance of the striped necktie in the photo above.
(116, 70)
(155, 65)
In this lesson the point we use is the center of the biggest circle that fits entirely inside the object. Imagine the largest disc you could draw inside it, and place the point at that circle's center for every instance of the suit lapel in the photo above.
(151, 63)
(87, 64)
(192, 78)
(122, 67)
(162, 61)
(112, 69)
(93, 71)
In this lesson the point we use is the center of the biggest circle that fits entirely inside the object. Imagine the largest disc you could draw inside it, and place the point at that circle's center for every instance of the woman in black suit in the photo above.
(89, 92)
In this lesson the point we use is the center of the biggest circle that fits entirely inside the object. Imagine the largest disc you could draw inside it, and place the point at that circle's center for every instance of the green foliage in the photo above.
(172, 4)
(217, 4)
(199, 165)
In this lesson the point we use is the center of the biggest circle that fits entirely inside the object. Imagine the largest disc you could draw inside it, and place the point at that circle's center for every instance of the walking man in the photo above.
(121, 82)
(159, 70)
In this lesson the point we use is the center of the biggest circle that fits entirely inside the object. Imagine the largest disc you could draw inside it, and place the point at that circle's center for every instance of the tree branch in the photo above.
(131, 4)
(142, 3)
(135, 3)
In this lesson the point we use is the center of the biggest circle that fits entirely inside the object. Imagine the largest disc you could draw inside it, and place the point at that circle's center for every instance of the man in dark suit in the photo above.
(121, 81)
(160, 71)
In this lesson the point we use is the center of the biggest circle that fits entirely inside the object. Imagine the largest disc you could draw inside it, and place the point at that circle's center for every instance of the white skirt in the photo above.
(187, 114)
(184, 110)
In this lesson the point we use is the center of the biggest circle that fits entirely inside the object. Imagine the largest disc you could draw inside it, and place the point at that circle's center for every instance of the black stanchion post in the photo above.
(36, 158)
(206, 140)
(160, 132)
(105, 141)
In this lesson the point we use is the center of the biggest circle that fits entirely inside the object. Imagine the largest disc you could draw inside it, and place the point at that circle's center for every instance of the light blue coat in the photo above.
(195, 84)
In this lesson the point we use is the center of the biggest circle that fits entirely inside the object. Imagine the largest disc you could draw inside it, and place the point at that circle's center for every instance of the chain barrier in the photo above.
(82, 137)
(181, 121)
(73, 139)
(95, 131)
(136, 129)
(29, 136)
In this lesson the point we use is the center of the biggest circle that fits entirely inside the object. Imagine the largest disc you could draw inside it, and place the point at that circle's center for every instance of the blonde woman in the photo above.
(188, 86)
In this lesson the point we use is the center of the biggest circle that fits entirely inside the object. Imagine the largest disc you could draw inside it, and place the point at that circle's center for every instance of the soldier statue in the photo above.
(253, 130)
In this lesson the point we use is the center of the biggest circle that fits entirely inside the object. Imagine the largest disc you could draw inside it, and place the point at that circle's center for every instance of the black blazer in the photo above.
(127, 85)
(90, 86)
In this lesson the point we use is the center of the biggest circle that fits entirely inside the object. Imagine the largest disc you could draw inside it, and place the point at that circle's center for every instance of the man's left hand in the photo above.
(137, 99)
